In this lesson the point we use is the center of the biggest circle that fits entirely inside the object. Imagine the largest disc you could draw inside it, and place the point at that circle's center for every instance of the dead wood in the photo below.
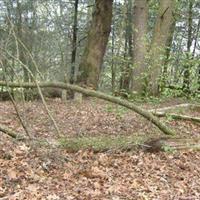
(177, 116)
(149, 116)
(171, 144)
(175, 107)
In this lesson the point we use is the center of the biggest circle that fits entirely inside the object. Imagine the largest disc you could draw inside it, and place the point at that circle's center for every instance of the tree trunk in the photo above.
(21, 50)
(126, 69)
(92, 58)
(20, 38)
(161, 35)
(167, 56)
(186, 75)
(140, 45)
(198, 75)
(113, 65)
(74, 42)
(149, 116)
(196, 38)
(171, 144)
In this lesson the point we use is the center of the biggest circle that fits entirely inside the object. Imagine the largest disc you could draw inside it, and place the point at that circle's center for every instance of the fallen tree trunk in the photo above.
(165, 112)
(8, 131)
(175, 107)
(171, 144)
(149, 116)
(177, 116)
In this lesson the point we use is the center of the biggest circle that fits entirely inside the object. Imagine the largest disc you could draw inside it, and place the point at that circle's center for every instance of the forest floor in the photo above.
(35, 171)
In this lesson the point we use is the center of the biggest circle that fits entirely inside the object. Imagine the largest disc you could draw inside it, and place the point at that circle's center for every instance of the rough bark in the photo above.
(161, 35)
(149, 116)
(92, 58)
(140, 45)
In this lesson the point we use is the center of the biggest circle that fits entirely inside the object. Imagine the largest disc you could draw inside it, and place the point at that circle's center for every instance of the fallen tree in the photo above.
(177, 116)
(149, 116)
(171, 144)
(165, 112)
(175, 107)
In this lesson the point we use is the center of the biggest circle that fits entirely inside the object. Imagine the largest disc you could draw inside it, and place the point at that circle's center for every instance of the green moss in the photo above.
(101, 143)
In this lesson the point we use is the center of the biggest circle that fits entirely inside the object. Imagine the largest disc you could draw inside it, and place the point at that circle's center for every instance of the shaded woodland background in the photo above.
(126, 47)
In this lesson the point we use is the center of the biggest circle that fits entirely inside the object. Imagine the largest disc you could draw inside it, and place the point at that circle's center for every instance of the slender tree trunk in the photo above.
(74, 42)
(198, 74)
(186, 75)
(167, 55)
(140, 45)
(126, 69)
(113, 68)
(30, 43)
(21, 50)
(196, 38)
(161, 36)
(20, 37)
(92, 58)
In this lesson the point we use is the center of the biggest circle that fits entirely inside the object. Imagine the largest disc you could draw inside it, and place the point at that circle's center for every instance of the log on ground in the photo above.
(149, 116)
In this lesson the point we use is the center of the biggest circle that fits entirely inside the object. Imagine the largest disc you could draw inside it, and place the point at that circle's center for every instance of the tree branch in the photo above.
(149, 116)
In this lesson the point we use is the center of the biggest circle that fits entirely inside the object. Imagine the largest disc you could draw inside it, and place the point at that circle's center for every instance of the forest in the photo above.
(100, 99)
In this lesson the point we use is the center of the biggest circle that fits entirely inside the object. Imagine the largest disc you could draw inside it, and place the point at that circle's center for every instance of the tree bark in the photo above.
(140, 45)
(177, 116)
(92, 58)
(198, 80)
(149, 116)
(161, 35)
(171, 144)
(74, 42)
(187, 66)
(20, 37)
(113, 65)
(178, 107)
(128, 55)
(167, 56)
(196, 38)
